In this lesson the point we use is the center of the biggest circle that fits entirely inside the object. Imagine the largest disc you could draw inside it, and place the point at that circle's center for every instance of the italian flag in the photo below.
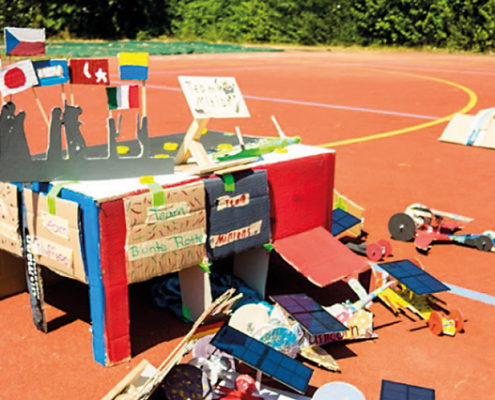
(123, 97)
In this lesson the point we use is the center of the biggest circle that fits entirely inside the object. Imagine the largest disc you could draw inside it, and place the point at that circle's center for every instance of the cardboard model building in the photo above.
(478, 130)
(17, 165)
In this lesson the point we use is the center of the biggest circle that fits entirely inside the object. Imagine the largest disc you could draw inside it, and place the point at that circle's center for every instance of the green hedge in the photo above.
(456, 24)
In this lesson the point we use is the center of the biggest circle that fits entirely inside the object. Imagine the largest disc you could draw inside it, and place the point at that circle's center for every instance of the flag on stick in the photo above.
(89, 71)
(133, 66)
(123, 97)
(51, 72)
(24, 41)
(17, 77)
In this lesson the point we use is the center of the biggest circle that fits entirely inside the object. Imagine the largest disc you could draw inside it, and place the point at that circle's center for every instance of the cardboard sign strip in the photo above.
(235, 235)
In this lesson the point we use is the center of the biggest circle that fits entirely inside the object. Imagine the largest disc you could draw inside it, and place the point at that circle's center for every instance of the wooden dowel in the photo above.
(144, 98)
(40, 106)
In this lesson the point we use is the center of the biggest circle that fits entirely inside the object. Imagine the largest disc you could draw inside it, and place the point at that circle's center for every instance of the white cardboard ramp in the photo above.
(471, 130)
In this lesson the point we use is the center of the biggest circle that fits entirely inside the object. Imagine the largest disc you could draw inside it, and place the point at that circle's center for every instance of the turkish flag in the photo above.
(89, 71)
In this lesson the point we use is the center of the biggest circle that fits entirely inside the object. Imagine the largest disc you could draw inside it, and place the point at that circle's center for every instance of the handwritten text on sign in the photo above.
(54, 251)
(238, 234)
(213, 97)
(56, 225)
(164, 213)
(166, 244)
(240, 200)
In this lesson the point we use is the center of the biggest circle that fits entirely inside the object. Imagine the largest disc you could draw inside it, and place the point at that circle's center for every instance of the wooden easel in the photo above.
(191, 145)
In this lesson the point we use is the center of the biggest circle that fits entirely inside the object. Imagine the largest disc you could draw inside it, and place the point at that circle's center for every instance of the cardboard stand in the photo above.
(196, 291)
(471, 130)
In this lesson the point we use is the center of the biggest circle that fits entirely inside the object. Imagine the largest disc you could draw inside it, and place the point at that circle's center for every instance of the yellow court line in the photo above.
(473, 99)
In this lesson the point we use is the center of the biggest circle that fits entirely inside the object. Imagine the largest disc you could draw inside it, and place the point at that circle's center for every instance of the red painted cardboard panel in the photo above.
(301, 194)
(319, 256)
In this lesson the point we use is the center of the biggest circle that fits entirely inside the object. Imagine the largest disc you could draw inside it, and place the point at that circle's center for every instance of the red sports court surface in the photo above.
(396, 104)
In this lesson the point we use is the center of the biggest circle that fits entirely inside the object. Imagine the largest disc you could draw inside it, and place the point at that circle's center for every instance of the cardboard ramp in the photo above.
(471, 130)
(319, 256)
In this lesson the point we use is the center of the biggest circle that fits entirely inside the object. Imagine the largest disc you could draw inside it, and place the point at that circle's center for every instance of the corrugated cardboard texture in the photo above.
(301, 194)
(238, 220)
(10, 238)
(57, 235)
(167, 239)
(319, 256)
(12, 275)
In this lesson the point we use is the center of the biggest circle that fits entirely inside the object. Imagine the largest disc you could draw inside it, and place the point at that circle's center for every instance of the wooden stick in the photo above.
(277, 126)
(239, 136)
(40, 106)
(71, 95)
(144, 98)
(64, 97)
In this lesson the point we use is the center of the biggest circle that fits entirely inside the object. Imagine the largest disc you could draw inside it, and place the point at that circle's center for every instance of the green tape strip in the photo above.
(186, 313)
(52, 196)
(158, 194)
(228, 180)
(268, 247)
(205, 266)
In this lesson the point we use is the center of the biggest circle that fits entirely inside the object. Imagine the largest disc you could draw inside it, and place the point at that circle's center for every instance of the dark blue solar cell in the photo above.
(263, 358)
(415, 278)
(402, 391)
(342, 220)
(312, 317)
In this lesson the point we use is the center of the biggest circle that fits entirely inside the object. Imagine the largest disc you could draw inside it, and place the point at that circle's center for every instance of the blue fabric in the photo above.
(166, 291)
(133, 72)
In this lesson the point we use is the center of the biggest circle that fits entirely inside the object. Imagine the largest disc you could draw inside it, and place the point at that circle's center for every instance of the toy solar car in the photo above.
(427, 226)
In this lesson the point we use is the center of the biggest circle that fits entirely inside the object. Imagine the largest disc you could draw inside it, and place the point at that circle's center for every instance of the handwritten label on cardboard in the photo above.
(166, 212)
(240, 200)
(238, 234)
(213, 97)
(54, 251)
(168, 238)
(56, 225)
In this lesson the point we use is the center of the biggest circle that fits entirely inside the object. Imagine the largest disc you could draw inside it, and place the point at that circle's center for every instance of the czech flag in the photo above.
(123, 97)
(133, 66)
(24, 41)
(51, 72)
(17, 77)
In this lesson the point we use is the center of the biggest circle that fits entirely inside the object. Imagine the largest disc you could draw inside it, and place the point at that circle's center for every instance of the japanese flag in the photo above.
(17, 77)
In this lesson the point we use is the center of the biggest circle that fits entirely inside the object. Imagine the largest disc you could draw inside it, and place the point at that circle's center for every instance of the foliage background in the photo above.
(453, 24)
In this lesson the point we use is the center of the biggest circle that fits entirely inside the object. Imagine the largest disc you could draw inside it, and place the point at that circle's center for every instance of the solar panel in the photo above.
(415, 278)
(402, 391)
(263, 358)
(342, 220)
(313, 318)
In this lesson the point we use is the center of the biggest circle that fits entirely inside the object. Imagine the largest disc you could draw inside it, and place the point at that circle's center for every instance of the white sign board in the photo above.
(213, 97)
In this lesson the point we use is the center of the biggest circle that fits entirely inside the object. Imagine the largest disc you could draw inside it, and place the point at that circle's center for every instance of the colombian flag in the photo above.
(133, 66)
(24, 41)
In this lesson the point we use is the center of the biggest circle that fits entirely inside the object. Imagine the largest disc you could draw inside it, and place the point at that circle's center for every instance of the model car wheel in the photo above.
(387, 246)
(374, 252)
(456, 315)
(435, 323)
(484, 243)
(401, 226)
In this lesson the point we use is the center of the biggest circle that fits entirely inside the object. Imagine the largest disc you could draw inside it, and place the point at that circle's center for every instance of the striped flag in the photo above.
(123, 97)
(24, 41)
(17, 77)
(133, 66)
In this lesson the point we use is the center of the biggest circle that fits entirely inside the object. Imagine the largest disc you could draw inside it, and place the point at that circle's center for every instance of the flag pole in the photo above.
(40, 106)
(64, 97)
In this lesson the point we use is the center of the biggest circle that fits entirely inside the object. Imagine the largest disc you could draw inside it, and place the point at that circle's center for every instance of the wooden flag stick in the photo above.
(144, 98)
(40, 106)
(64, 97)
(71, 95)
(277, 127)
